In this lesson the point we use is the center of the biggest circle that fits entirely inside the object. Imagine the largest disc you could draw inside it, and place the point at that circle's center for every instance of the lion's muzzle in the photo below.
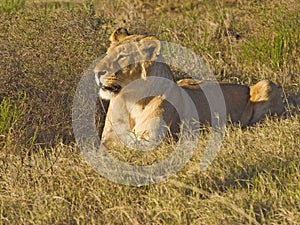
(104, 84)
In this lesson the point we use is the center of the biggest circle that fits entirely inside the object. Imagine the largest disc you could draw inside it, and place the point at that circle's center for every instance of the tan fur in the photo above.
(149, 119)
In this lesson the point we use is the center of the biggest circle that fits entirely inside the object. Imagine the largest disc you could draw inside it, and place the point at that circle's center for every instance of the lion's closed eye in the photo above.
(121, 57)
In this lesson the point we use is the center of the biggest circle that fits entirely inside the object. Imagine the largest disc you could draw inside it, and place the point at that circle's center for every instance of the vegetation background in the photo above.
(45, 47)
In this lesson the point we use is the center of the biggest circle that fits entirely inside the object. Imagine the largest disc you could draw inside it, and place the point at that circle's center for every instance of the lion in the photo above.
(147, 104)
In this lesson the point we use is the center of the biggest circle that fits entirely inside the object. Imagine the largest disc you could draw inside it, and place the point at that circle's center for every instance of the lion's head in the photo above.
(129, 57)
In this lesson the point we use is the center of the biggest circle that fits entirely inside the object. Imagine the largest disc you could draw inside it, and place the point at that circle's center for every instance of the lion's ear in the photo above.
(149, 48)
(118, 35)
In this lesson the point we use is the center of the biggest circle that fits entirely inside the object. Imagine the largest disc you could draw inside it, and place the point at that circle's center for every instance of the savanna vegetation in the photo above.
(45, 48)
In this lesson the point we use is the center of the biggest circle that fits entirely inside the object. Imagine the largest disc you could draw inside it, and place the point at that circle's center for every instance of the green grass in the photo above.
(8, 6)
(8, 115)
(278, 48)
(45, 49)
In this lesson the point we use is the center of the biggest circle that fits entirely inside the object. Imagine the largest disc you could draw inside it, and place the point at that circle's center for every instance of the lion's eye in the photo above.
(121, 57)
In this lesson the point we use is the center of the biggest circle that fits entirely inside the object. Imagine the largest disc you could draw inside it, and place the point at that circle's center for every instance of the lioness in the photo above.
(140, 108)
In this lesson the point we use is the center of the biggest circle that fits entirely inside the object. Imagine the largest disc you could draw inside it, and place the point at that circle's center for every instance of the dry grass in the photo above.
(46, 47)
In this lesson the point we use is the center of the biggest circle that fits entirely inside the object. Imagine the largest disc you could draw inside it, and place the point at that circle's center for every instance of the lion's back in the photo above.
(209, 94)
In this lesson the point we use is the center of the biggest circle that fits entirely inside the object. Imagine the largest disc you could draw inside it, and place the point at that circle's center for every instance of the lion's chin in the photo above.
(107, 94)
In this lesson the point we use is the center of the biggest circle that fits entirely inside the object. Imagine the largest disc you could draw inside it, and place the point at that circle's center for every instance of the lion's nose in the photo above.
(98, 75)
(101, 73)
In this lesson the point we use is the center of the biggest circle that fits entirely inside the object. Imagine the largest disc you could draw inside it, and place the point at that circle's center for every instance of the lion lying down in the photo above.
(140, 109)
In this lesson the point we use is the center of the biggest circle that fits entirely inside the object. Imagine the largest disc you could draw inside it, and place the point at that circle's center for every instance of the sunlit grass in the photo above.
(45, 49)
